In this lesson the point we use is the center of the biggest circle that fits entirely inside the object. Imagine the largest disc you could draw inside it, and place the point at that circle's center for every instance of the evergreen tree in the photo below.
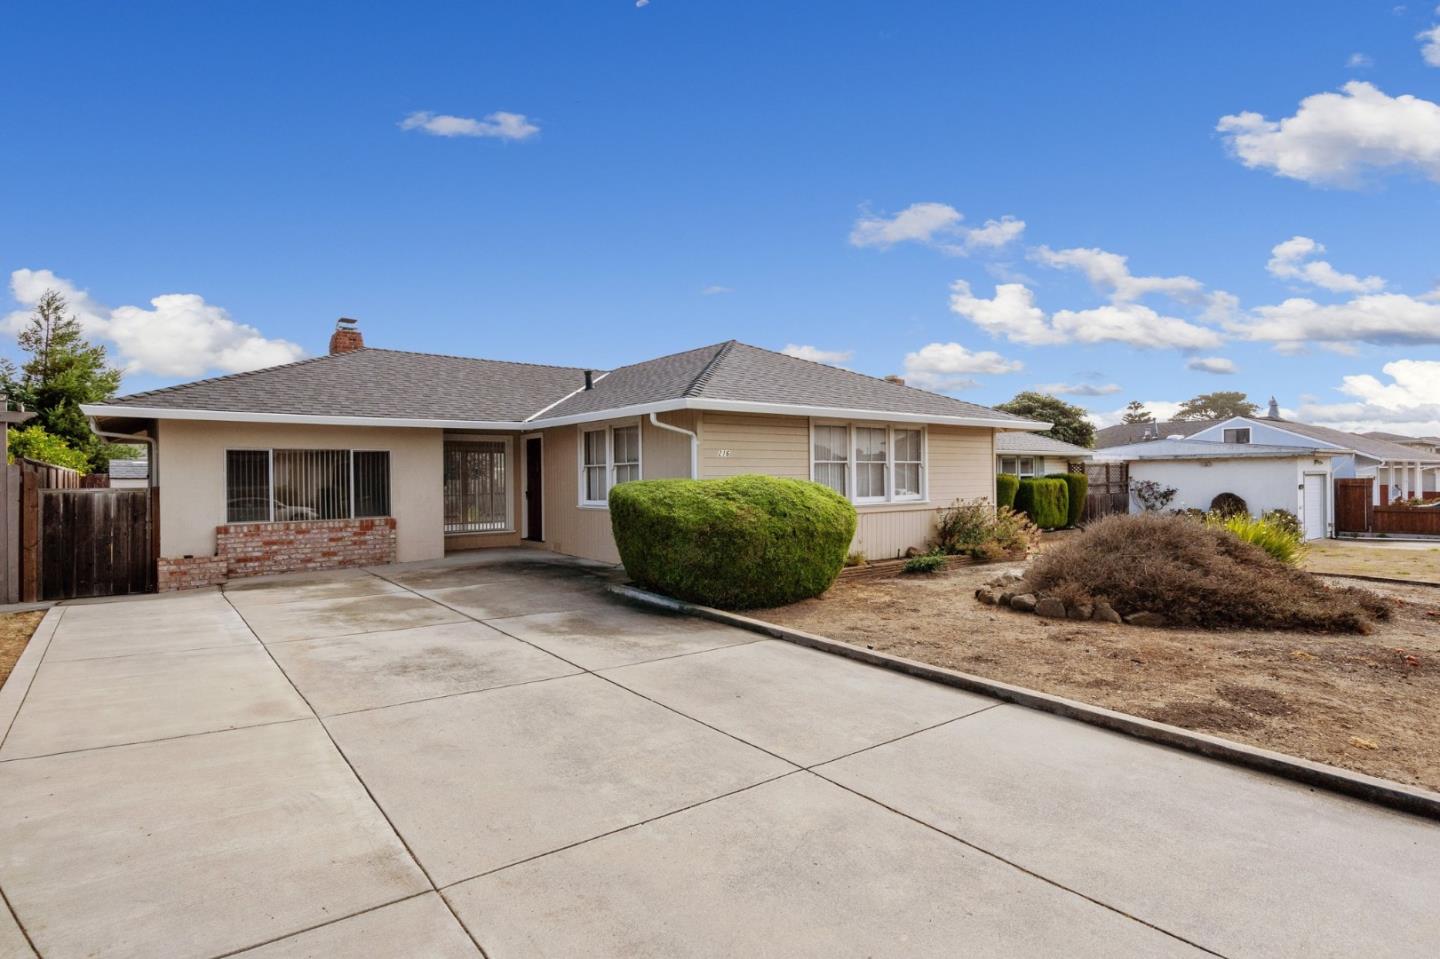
(63, 371)
(1135, 412)
(1071, 424)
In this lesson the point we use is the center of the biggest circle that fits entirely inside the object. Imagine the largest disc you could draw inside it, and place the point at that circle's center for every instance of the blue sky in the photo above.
(596, 182)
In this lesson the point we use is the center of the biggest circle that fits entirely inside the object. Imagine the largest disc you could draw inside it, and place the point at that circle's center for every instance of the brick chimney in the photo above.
(346, 337)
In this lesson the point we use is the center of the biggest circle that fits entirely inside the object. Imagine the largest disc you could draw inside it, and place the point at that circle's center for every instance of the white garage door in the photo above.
(1315, 506)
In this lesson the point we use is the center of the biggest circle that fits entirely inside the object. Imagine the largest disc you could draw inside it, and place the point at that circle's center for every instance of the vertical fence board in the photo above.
(94, 541)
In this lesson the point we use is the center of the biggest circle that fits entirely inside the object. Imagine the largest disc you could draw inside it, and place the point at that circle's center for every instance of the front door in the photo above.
(534, 492)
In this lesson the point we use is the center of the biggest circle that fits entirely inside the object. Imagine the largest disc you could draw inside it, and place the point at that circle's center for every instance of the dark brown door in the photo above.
(534, 491)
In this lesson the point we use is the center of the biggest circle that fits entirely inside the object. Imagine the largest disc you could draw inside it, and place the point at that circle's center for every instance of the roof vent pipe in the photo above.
(589, 379)
(1274, 412)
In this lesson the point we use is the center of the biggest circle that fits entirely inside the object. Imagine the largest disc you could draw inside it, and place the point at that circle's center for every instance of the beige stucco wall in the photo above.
(191, 456)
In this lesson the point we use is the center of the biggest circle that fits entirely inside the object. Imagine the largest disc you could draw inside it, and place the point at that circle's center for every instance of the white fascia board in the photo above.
(297, 419)
(641, 409)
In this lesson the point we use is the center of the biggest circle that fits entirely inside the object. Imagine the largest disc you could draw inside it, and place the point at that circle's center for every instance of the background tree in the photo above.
(1071, 423)
(1217, 406)
(64, 370)
(1135, 412)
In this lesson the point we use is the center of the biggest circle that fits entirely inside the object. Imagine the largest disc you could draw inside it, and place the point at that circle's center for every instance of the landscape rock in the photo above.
(1145, 619)
(1106, 613)
(1050, 608)
(1013, 575)
(1082, 611)
(986, 595)
(1025, 602)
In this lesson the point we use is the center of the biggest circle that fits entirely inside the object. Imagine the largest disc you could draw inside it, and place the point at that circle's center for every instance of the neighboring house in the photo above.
(1030, 454)
(370, 455)
(129, 474)
(1400, 472)
(1123, 434)
(1266, 476)
(1425, 444)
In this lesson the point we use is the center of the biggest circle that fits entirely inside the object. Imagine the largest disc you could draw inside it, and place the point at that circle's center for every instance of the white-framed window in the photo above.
(1237, 435)
(609, 456)
(286, 485)
(868, 462)
(1022, 466)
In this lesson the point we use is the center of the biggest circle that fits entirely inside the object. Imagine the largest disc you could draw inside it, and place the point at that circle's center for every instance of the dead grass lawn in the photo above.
(1368, 703)
(1391, 559)
(15, 630)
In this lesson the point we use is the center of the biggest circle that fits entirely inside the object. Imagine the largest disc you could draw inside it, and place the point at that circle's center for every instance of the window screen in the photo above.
(830, 457)
(908, 448)
(869, 463)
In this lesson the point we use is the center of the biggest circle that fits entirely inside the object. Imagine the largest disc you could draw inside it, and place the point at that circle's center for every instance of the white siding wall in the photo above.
(1264, 484)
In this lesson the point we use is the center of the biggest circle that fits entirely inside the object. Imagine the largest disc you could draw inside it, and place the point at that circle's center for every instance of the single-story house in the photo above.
(1030, 454)
(373, 455)
(1266, 476)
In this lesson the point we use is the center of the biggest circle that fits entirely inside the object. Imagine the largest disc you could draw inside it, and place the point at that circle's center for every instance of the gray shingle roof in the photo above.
(743, 373)
(380, 383)
(1124, 433)
(1374, 448)
(1038, 443)
(401, 385)
(129, 469)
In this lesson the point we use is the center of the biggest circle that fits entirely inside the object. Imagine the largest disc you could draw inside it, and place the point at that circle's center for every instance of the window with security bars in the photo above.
(283, 485)
(476, 487)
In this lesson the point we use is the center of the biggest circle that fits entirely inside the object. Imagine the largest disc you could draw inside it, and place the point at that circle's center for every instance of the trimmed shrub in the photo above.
(1005, 486)
(1046, 501)
(1228, 504)
(1276, 537)
(1194, 574)
(1079, 487)
(737, 543)
(975, 528)
(924, 563)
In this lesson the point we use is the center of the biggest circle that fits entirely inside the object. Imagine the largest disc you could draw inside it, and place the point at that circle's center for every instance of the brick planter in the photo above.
(255, 549)
(189, 572)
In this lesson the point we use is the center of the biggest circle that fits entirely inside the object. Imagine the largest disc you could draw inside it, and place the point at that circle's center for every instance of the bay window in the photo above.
(868, 463)
(609, 456)
(265, 485)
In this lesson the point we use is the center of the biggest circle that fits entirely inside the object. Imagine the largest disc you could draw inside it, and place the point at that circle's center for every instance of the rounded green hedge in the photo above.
(1005, 486)
(738, 543)
(1079, 485)
(1046, 501)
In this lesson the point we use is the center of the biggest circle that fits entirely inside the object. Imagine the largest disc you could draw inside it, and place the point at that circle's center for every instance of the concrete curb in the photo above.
(12, 694)
(1377, 579)
(1410, 799)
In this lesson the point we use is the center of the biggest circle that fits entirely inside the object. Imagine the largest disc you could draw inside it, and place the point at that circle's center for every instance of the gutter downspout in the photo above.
(153, 471)
(694, 443)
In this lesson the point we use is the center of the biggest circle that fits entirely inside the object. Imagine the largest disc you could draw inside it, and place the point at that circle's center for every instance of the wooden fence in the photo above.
(95, 542)
(1422, 520)
(1354, 505)
(1109, 490)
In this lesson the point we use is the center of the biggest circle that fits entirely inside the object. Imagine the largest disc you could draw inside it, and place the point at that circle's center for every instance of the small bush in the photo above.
(34, 442)
(924, 563)
(975, 528)
(1284, 519)
(1152, 496)
(1277, 538)
(1228, 504)
(1045, 501)
(1195, 574)
(736, 543)
(1005, 486)
(854, 558)
(1079, 487)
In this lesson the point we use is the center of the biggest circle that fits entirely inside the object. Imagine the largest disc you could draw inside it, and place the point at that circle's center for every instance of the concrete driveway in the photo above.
(431, 760)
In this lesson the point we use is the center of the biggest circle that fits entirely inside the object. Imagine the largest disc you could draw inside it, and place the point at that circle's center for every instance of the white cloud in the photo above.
(1291, 261)
(1334, 138)
(180, 335)
(1162, 410)
(1384, 318)
(1079, 389)
(716, 289)
(1360, 61)
(499, 125)
(947, 366)
(1408, 403)
(933, 224)
(1012, 313)
(1212, 364)
(815, 354)
(1430, 44)
(1112, 271)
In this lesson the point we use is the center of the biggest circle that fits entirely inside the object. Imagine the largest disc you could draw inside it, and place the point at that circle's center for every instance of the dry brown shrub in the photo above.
(1195, 575)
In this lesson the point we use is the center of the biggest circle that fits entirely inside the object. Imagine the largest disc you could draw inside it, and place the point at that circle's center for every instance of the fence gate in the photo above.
(1354, 505)
(95, 542)
(1108, 492)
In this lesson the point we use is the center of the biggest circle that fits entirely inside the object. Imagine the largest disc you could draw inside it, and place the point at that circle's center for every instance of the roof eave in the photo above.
(297, 419)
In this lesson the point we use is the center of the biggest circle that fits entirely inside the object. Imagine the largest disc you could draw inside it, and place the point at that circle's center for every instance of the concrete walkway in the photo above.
(493, 754)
